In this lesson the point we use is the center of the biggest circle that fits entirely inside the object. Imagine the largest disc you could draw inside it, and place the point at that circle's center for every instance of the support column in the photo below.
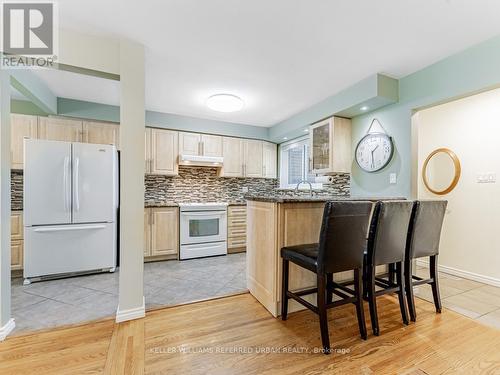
(132, 128)
(6, 321)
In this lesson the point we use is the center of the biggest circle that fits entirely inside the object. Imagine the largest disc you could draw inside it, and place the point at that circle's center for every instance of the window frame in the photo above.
(283, 164)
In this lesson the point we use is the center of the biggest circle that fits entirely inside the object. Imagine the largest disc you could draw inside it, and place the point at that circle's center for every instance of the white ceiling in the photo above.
(280, 56)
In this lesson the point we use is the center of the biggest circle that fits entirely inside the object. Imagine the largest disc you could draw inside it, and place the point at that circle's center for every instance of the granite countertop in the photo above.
(306, 198)
(148, 204)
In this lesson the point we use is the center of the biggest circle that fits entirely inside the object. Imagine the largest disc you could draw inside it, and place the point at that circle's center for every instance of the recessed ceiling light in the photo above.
(285, 138)
(306, 130)
(364, 108)
(225, 103)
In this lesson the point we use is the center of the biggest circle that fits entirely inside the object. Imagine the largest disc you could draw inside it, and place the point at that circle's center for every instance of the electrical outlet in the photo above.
(244, 189)
(393, 178)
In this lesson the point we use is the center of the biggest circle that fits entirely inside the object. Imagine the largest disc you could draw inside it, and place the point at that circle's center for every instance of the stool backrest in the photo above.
(343, 235)
(388, 232)
(424, 233)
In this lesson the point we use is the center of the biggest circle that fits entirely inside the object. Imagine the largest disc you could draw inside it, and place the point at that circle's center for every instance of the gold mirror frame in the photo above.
(458, 171)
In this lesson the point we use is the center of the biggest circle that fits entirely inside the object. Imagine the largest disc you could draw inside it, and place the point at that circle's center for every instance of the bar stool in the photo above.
(423, 240)
(386, 245)
(341, 244)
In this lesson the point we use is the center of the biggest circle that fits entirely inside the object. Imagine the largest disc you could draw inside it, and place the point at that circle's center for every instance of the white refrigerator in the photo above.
(70, 208)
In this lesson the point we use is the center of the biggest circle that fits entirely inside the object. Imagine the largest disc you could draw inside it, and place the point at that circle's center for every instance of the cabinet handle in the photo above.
(146, 165)
(152, 218)
(203, 148)
(264, 168)
(199, 148)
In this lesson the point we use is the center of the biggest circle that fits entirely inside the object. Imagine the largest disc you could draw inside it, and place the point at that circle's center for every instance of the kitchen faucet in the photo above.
(307, 182)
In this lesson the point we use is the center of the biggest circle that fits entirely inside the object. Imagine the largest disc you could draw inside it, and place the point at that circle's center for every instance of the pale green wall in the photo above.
(103, 112)
(470, 71)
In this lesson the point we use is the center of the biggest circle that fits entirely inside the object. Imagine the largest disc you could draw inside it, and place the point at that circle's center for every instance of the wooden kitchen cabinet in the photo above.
(17, 242)
(330, 150)
(22, 126)
(189, 143)
(161, 152)
(232, 150)
(200, 144)
(164, 231)
(147, 232)
(164, 152)
(60, 129)
(236, 229)
(161, 226)
(269, 160)
(101, 133)
(211, 145)
(248, 158)
(253, 166)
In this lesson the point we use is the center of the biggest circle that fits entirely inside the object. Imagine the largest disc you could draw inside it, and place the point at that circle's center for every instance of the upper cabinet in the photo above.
(161, 151)
(22, 126)
(211, 145)
(270, 160)
(190, 143)
(233, 157)
(60, 129)
(101, 133)
(253, 166)
(248, 158)
(330, 146)
(200, 144)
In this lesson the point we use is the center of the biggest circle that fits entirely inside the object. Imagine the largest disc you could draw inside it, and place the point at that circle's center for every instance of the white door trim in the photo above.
(131, 314)
(7, 329)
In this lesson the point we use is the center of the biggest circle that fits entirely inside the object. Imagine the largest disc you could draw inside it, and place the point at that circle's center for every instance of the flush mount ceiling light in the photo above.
(364, 108)
(225, 103)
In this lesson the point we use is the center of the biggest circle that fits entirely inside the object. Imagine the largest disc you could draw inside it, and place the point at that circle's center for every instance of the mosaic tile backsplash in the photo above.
(201, 185)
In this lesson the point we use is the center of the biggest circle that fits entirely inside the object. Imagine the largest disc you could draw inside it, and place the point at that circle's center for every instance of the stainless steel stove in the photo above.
(203, 229)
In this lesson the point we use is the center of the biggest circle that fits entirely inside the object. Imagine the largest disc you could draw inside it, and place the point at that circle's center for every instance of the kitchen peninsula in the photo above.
(274, 222)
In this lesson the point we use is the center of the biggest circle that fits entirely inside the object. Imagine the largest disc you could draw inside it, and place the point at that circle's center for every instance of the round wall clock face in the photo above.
(374, 152)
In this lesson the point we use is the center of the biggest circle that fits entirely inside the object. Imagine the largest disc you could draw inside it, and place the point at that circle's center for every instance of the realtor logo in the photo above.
(29, 34)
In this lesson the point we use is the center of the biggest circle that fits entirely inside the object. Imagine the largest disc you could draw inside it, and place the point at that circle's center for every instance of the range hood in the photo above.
(200, 161)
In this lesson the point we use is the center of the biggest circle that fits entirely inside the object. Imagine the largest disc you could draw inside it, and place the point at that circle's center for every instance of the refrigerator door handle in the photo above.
(65, 183)
(69, 228)
(77, 183)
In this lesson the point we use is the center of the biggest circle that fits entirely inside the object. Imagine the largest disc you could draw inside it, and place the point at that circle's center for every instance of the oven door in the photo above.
(200, 227)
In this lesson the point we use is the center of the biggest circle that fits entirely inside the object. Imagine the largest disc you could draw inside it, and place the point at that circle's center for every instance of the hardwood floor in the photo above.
(189, 339)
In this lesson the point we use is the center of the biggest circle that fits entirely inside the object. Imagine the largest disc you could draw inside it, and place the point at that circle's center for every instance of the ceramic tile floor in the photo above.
(470, 298)
(66, 301)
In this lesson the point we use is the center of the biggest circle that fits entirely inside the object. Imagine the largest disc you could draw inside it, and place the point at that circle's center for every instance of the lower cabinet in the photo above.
(16, 240)
(236, 229)
(161, 233)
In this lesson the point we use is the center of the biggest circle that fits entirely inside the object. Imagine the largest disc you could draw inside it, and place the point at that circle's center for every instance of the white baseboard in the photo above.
(7, 328)
(131, 314)
(465, 274)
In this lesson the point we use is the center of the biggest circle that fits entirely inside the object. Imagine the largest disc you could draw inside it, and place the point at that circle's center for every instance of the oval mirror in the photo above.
(441, 171)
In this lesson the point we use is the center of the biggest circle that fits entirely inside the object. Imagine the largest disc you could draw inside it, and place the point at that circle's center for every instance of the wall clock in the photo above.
(374, 151)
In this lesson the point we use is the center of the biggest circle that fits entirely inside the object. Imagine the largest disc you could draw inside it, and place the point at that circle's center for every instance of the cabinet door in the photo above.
(232, 150)
(164, 231)
(16, 225)
(211, 145)
(321, 146)
(16, 255)
(101, 133)
(147, 232)
(270, 155)
(164, 152)
(189, 143)
(58, 129)
(147, 151)
(253, 158)
(341, 154)
(22, 126)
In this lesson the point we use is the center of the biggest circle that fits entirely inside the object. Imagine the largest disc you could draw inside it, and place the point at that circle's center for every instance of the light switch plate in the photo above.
(393, 178)
(486, 178)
